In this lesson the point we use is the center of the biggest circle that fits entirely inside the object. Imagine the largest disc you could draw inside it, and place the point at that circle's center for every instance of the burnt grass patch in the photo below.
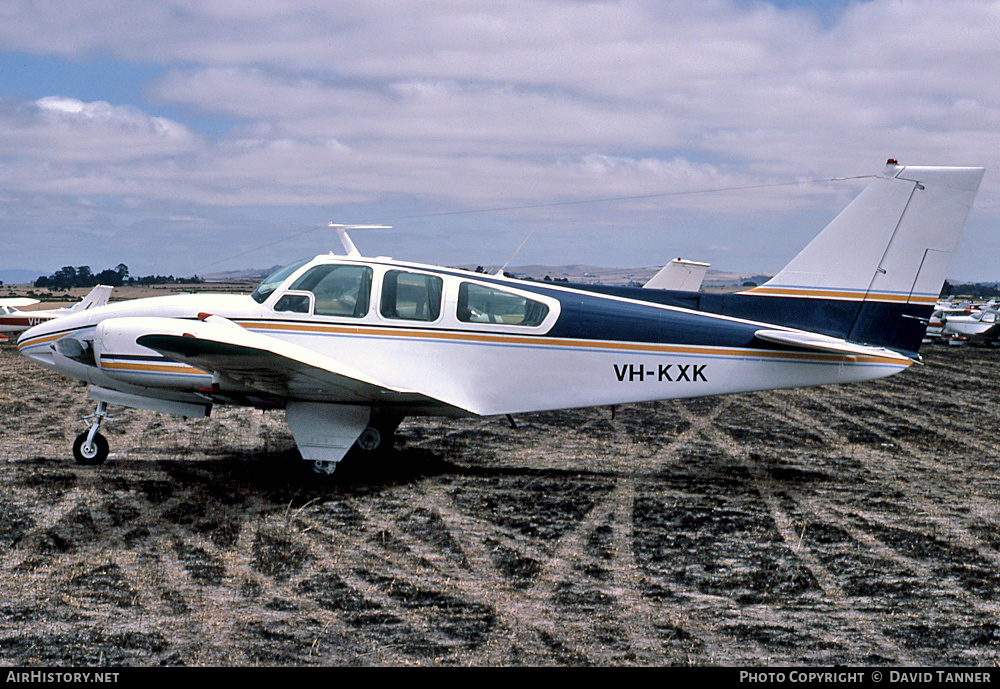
(966, 566)
(83, 648)
(104, 584)
(15, 523)
(756, 427)
(459, 621)
(947, 643)
(519, 570)
(723, 545)
(277, 554)
(428, 526)
(543, 507)
(652, 423)
(201, 566)
(331, 592)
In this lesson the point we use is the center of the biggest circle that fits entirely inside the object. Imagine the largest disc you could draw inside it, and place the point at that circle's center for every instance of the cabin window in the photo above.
(411, 296)
(482, 304)
(335, 290)
(297, 303)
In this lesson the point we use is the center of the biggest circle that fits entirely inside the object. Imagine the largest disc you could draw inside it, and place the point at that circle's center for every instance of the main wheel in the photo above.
(379, 437)
(373, 439)
(95, 453)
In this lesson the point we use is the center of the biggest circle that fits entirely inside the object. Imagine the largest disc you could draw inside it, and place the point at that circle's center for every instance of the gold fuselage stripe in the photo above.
(491, 338)
(838, 294)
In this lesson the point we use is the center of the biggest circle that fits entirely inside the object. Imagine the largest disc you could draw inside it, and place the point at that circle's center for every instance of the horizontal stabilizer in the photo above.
(821, 343)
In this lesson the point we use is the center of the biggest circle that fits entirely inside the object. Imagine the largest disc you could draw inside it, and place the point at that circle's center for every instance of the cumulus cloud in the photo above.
(58, 129)
(429, 106)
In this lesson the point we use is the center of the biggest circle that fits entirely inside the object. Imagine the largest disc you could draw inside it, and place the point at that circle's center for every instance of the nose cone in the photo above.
(36, 342)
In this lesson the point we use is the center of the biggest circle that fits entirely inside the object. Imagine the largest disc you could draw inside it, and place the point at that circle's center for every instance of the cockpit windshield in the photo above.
(274, 280)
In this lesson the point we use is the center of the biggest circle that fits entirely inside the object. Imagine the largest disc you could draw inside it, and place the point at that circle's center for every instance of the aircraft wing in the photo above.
(264, 364)
(801, 339)
(17, 302)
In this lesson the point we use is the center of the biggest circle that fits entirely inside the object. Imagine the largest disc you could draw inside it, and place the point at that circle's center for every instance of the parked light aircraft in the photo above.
(942, 311)
(349, 345)
(982, 325)
(13, 320)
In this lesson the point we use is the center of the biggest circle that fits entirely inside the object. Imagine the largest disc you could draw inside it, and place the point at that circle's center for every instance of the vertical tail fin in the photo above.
(889, 251)
(97, 297)
(679, 274)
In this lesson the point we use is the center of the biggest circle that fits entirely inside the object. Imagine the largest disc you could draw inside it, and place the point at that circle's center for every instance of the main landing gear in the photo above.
(379, 436)
(374, 442)
(90, 447)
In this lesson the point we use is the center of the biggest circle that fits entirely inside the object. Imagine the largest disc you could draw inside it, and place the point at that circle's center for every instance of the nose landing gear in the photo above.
(90, 447)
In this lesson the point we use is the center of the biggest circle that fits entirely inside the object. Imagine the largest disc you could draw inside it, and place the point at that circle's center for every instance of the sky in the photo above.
(192, 137)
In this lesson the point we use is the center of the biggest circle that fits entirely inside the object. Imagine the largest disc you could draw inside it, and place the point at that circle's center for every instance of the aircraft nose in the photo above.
(36, 342)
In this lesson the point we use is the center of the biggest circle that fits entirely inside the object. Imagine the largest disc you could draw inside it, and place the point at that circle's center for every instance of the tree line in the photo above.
(970, 289)
(82, 276)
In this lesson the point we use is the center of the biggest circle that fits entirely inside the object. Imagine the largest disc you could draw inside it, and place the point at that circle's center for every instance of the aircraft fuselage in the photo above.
(587, 349)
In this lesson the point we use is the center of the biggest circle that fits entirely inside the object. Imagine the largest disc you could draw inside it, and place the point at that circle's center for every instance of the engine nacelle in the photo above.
(120, 357)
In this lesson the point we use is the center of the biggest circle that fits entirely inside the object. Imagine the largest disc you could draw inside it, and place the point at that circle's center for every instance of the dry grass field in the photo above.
(857, 525)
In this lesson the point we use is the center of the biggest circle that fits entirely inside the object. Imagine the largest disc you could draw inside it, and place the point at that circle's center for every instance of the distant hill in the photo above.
(18, 276)
(235, 275)
(578, 273)
(582, 273)
(588, 274)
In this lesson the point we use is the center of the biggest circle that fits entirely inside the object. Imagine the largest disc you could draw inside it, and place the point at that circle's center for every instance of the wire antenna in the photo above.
(525, 241)
(554, 204)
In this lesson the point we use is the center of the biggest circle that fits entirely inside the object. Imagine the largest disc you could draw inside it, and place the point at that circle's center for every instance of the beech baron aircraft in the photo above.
(349, 345)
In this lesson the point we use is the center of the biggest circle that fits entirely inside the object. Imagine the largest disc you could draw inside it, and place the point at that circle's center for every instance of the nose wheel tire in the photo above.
(94, 453)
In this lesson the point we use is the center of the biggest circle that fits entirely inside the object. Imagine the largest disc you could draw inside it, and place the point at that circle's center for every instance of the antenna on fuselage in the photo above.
(346, 241)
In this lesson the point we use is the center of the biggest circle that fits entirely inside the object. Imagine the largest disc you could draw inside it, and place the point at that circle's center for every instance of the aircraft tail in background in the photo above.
(96, 297)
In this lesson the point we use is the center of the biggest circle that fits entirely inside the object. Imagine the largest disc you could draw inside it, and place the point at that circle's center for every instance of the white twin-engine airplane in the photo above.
(348, 345)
